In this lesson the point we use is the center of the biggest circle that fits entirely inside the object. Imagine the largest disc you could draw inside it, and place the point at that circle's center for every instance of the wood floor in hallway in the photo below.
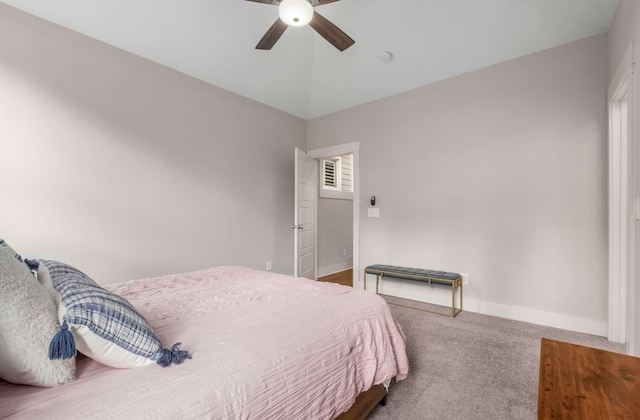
(344, 277)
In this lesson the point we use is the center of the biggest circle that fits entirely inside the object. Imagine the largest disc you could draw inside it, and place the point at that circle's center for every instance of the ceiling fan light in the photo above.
(295, 12)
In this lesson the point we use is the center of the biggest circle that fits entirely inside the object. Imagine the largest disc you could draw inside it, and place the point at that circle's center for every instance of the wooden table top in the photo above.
(578, 382)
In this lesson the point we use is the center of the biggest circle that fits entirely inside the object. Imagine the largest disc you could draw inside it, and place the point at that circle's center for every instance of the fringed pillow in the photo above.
(98, 323)
(28, 321)
(10, 250)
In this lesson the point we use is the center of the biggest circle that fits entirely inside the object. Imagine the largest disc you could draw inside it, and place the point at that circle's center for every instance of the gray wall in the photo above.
(499, 173)
(128, 169)
(625, 30)
(335, 233)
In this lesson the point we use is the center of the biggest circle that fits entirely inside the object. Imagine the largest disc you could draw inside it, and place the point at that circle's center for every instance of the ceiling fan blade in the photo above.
(321, 2)
(330, 32)
(272, 36)
(263, 1)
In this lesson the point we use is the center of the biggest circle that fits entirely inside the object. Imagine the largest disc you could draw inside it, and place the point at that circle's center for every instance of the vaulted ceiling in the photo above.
(304, 75)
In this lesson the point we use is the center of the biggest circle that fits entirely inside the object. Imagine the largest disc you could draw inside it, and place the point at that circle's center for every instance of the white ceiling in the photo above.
(304, 75)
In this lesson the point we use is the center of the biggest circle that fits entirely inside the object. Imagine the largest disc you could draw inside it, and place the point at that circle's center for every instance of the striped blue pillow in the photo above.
(105, 326)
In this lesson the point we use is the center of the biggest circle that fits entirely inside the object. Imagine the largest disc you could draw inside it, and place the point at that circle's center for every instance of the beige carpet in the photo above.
(471, 367)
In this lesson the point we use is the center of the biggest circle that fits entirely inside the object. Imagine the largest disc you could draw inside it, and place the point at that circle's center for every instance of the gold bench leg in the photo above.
(461, 295)
(453, 299)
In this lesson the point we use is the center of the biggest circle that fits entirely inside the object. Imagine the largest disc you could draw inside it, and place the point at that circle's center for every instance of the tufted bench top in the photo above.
(440, 277)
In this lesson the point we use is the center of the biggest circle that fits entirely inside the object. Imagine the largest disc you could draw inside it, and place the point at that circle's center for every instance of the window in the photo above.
(337, 177)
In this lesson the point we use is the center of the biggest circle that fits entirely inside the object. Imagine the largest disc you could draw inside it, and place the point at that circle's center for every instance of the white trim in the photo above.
(619, 176)
(336, 268)
(341, 149)
(338, 150)
(533, 316)
(336, 195)
(441, 295)
(633, 341)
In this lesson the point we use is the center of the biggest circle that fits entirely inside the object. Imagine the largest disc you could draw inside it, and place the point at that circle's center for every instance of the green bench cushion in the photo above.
(417, 274)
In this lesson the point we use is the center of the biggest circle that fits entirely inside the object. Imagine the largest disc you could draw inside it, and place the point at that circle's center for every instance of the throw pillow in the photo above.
(28, 321)
(10, 250)
(104, 326)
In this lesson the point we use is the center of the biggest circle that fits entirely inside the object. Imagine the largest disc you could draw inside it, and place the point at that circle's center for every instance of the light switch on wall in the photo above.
(373, 212)
(636, 208)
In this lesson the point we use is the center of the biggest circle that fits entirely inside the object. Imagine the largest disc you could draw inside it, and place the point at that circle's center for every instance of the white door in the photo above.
(304, 218)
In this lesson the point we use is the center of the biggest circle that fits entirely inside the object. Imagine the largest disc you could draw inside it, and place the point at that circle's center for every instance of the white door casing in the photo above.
(304, 225)
(620, 181)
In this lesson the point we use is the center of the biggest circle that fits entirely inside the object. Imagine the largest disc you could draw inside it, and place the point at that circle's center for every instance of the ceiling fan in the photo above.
(300, 13)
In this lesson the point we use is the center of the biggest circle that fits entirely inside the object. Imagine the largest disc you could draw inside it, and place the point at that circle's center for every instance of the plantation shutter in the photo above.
(346, 177)
(337, 177)
(329, 173)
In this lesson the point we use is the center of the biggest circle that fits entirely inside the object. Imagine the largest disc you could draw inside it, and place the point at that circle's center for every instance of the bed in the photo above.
(263, 346)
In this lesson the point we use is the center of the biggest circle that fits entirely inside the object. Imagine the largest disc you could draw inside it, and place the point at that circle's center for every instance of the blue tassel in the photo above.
(62, 346)
(175, 355)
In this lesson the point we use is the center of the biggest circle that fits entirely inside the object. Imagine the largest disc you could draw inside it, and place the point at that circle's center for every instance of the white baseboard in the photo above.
(534, 316)
(440, 295)
(336, 268)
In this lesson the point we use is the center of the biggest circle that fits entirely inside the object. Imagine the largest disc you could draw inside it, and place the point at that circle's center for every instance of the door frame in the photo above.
(343, 149)
(621, 241)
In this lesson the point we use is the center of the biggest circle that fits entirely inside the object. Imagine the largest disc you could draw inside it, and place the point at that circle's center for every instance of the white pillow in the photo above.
(28, 321)
(10, 250)
(105, 326)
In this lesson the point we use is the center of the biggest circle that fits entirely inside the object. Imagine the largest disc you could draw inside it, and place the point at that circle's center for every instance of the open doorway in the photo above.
(337, 215)
(335, 219)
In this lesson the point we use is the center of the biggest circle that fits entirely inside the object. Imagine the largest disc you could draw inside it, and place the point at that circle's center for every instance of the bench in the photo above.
(428, 276)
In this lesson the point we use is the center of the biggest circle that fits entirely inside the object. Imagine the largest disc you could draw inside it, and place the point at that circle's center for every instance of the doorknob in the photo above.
(300, 227)
(297, 227)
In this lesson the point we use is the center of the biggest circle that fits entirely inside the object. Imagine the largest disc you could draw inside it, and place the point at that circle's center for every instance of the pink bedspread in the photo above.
(264, 346)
